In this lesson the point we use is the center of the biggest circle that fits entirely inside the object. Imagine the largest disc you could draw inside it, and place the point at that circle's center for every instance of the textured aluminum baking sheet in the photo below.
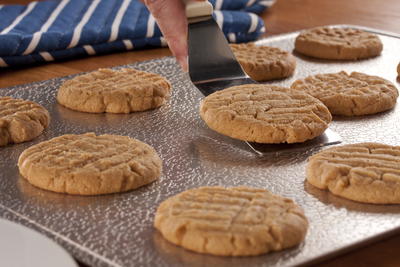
(116, 230)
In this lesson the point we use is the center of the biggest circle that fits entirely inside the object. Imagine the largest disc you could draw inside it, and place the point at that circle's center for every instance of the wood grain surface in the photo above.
(284, 16)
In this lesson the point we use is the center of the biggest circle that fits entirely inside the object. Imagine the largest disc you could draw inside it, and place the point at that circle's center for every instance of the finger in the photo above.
(171, 18)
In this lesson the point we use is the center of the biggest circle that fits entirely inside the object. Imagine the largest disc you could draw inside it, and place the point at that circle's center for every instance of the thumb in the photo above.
(171, 19)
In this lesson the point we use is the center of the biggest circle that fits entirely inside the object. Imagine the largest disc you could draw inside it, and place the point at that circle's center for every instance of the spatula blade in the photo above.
(210, 57)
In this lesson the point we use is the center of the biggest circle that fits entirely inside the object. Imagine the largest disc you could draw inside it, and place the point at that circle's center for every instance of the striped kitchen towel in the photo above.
(54, 30)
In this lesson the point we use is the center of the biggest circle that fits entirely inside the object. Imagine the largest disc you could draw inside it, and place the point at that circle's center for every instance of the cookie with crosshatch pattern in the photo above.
(21, 120)
(114, 91)
(264, 63)
(89, 164)
(365, 172)
(265, 114)
(237, 221)
(350, 94)
(338, 43)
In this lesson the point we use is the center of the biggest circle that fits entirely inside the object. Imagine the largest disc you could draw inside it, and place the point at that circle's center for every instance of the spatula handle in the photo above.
(198, 8)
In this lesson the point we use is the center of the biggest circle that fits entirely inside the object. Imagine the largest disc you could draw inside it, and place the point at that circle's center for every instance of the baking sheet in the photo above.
(116, 230)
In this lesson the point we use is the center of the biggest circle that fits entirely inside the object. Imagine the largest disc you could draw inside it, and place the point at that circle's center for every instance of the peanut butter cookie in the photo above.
(264, 63)
(366, 172)
(350, 95)
(238, 221)
(21, 120)
(87, 164)
(265, 114)
(114, 91)
(338, 43)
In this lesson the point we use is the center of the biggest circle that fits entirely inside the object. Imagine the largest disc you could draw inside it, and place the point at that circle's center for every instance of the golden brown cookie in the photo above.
(114, 91)
(366, 172)
(265, 114)
(349, 95)
(237, 221)
(338, 43)
(264, 63)
(21, 120)
(87, 164)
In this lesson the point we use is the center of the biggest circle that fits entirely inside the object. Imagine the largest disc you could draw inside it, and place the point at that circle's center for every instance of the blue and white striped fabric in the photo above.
(54, 30)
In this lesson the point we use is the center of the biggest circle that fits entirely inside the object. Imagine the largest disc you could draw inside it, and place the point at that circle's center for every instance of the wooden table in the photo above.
(284, 16)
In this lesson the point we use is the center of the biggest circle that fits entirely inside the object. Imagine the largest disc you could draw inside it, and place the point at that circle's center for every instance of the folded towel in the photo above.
(53, 30)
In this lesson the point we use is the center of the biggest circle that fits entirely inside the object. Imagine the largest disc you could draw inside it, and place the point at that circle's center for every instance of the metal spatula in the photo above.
(213, 67)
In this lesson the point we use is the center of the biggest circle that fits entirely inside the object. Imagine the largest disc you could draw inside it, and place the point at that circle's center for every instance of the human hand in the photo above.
(171, 18)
